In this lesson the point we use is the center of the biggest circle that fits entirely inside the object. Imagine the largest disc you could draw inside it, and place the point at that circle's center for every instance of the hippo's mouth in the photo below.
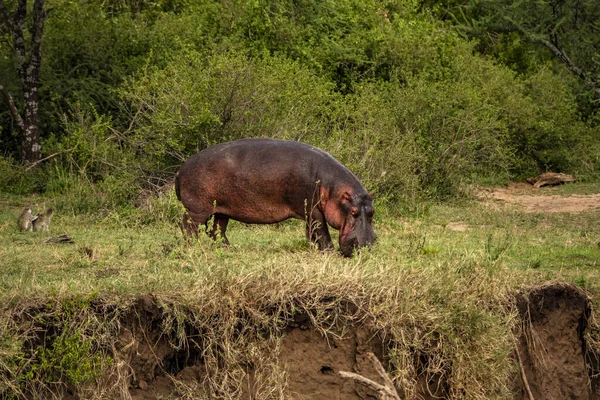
(348, 246)
(351, 243)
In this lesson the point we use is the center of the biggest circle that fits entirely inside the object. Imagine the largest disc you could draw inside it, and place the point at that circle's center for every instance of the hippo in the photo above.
(264, 181)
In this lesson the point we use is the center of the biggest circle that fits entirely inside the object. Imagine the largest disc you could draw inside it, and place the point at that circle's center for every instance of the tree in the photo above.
(569, 29)
(28, 63)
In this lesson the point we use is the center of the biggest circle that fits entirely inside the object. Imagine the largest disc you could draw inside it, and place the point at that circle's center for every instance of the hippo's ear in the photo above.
(372, 195)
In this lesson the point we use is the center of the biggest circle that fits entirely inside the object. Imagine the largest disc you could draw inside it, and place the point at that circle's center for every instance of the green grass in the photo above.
(432, 288)
(115, 256)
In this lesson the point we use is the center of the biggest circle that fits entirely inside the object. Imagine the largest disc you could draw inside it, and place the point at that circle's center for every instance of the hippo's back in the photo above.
(268, 153)
(253, 180)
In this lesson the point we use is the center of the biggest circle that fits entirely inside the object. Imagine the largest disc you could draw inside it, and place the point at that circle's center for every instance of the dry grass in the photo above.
(434, 293)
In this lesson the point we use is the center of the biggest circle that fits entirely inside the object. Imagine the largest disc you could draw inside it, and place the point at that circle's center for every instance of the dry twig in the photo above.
(46, 158)
(384, 392)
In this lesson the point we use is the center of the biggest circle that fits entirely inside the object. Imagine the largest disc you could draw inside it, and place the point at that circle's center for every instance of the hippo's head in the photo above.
(357, 227)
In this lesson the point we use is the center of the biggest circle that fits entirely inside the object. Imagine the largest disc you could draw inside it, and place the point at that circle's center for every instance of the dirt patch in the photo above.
(529, 199)
(312, 363)
(457, 226)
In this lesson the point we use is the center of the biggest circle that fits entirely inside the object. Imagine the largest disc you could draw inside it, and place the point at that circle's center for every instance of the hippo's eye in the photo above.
(354, 211)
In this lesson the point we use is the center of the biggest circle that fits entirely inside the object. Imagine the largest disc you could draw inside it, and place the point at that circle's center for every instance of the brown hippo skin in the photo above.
(263, 181)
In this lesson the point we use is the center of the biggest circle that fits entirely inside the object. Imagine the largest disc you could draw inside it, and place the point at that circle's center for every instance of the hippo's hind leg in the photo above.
(317, 231)
(191, 221)
(218, 229)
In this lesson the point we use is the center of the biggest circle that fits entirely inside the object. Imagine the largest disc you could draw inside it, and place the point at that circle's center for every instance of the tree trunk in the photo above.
(32, 149)
(29, 72)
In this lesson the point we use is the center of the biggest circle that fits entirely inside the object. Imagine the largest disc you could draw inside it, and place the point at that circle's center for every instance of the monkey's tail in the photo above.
(177, 192)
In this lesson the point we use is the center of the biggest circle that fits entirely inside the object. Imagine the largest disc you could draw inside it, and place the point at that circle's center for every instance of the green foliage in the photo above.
(70, 359)
(131, 89)
(371, 140)
(525, 35)
(197, 101)
(15, 179)
(11, 360)
(549, 138)
(68, 354)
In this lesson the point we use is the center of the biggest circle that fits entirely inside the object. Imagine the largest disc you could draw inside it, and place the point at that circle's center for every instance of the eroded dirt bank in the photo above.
(552, 346)
(553, 352)
(551, 359)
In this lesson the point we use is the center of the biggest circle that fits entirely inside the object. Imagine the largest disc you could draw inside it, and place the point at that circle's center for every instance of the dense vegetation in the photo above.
(413, 104)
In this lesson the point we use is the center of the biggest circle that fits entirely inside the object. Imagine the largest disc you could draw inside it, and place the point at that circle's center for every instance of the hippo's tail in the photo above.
(177, 191)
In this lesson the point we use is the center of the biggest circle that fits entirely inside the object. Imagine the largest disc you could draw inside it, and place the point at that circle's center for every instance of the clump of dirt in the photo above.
(527, 198)
(552, 346)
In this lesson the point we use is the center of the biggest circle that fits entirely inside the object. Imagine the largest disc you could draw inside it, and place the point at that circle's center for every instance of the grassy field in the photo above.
(439, 279)
(143, 250)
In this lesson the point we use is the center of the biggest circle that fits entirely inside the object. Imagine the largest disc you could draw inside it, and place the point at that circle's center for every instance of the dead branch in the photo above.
(560, 53)
(46, 158)
(384, 392)
(13, 108)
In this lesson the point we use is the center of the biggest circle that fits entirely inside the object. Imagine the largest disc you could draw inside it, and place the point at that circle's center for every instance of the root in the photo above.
(384, 392)
(523, 376)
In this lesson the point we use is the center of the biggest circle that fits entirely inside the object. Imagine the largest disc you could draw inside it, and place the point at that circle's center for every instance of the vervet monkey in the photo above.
(42, 222)
(25, 220)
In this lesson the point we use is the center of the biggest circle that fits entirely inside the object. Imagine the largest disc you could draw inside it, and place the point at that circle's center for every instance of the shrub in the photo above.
(15, 178)
(196, 102)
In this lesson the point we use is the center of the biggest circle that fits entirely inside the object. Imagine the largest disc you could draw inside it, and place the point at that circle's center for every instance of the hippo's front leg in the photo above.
(317, 231)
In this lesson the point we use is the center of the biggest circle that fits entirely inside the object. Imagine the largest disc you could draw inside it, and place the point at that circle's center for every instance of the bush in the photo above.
(15, 178)
(546, 141)
(196, 102)
(400, 98)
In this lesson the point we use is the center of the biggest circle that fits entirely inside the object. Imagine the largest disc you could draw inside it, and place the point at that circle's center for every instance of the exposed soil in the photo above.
(313, 362)
(552, 346)
(551, 353)
(552, 350)
(310, 360)
(529, 199)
